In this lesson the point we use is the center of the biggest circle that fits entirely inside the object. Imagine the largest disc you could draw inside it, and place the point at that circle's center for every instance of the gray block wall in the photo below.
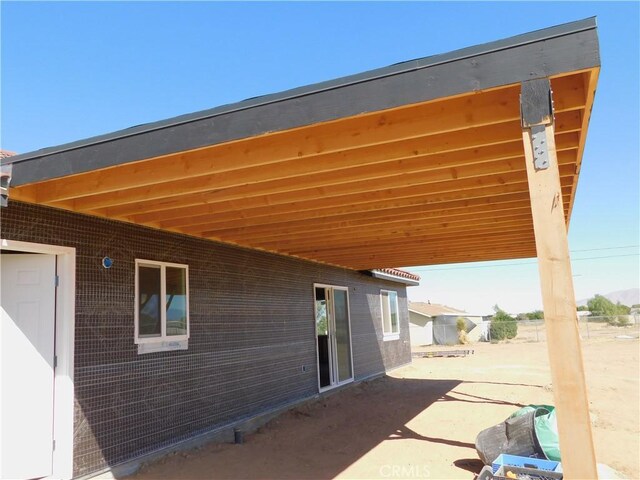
(252, 330)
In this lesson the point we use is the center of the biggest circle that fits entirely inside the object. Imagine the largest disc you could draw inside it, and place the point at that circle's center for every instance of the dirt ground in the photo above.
(421, 420)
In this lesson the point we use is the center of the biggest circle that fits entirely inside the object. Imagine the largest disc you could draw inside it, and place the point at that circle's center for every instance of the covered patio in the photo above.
(439, 406)
(468, 156)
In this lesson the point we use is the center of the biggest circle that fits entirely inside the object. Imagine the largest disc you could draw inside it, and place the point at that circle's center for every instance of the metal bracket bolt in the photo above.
(540, 147)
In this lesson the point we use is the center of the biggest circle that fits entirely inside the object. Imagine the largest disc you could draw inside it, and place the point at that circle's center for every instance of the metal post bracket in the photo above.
(540, 148)
(536, 112)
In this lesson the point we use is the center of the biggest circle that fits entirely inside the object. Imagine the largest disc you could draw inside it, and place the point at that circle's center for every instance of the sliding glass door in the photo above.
(333, 331)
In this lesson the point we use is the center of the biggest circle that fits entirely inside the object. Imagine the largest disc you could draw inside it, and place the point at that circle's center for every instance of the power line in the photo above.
(605, 248)
(520, 263)
(606, 256)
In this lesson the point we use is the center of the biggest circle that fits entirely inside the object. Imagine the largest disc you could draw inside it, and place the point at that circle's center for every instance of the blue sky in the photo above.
(73, 70)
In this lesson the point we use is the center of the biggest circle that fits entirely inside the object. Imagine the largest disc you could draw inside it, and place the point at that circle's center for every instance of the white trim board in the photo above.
(64, 348)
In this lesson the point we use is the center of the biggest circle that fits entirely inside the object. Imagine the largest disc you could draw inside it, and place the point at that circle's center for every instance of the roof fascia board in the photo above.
(560, 49)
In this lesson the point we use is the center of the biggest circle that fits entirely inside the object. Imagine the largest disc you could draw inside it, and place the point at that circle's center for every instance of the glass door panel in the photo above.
(322, 333)
(342, 334)
(333, 335)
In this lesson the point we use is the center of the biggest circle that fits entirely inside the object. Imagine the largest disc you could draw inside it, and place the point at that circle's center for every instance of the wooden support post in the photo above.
(558, 298)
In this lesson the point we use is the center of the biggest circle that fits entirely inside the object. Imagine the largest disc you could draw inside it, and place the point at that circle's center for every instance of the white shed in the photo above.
(420, 328)
(436, 324)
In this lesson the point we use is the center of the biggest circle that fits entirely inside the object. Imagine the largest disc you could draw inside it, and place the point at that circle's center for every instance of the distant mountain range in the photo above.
(627, 297)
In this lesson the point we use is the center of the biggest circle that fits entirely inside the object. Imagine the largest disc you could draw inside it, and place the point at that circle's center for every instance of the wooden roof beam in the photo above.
(347, 203)
(436, 152)
(248, 198)
(444, 169)
(417, 259)
(458, 186)
(374, 217)
(369, 224)
(477, 244)
(348, 212)
(558, 297)
(349, 236)
(426, 240)
(440, 116)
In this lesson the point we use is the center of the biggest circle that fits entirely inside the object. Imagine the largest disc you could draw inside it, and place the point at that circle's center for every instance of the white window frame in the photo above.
(164, 342)
(386, 336)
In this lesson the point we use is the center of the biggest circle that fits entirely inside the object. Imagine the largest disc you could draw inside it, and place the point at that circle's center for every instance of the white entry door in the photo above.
(28, 301)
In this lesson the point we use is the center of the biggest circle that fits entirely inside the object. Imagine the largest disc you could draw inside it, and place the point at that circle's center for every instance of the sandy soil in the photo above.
(421, 420)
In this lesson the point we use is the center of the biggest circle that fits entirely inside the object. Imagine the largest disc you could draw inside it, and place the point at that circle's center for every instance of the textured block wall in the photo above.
(252, 331)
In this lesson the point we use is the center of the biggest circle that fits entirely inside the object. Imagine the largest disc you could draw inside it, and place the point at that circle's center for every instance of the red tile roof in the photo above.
(396, 272)
(6, 153)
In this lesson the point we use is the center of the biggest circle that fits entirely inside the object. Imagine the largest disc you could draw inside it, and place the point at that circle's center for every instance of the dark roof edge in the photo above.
(396, 69)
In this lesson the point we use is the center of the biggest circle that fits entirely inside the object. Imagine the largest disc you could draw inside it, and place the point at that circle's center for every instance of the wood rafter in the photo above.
(431, 118)
(426, 259)
(371, 217)
(517, 236)
(320, 231)
(432, 154)
(241, 198)
(352, 236)
(358, 188)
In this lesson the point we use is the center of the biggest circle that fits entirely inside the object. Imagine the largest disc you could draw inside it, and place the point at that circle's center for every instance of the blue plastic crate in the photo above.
(528, 462)
(509, 472)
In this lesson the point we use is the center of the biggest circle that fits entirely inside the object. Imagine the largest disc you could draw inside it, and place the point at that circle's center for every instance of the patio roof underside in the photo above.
(438, 182)
(432, 182)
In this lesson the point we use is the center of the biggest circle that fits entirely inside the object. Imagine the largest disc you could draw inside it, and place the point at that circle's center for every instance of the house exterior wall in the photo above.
(252, 330)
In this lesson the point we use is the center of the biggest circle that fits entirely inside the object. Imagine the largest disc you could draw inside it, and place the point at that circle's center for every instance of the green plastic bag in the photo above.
(546, 427)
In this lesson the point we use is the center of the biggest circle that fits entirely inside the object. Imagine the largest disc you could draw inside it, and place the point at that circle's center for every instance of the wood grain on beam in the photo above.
(375, 216)
(419, 259)
(459, 186)
(365, 223)
(590, 81)
(437, 151)
(559, 302)
(505, 172)
(349, 236)
(360, 131)
(345, 212)
(320, 206)
(422, 241)
(434, 248)
(483, 108)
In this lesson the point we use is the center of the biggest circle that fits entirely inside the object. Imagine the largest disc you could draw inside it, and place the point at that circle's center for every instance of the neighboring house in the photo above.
(171, 281)
(437, 324)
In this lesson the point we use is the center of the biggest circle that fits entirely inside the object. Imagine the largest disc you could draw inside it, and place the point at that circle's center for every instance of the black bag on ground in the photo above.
(514, 436)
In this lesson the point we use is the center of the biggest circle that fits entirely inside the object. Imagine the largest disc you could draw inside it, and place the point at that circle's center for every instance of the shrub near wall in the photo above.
(503, 326)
